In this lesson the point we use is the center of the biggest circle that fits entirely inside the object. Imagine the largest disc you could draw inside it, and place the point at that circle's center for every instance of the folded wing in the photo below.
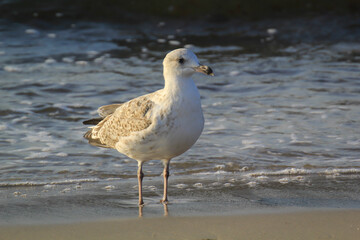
(119, 120)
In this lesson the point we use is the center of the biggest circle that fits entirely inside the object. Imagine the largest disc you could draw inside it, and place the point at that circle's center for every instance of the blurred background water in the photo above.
(282, 113)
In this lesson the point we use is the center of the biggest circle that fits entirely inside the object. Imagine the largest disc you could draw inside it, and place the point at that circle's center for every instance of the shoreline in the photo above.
(297, 224)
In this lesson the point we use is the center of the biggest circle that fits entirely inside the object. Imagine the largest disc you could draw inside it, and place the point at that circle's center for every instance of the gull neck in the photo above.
(175, 84)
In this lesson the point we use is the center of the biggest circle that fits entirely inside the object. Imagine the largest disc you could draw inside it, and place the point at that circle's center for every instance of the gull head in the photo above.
(183, 63)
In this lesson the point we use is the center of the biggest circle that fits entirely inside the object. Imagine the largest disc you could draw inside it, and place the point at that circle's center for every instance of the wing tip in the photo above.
(93, 121)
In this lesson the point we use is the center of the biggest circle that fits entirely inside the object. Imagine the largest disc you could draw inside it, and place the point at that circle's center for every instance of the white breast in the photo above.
(177, 124)
(186, 123)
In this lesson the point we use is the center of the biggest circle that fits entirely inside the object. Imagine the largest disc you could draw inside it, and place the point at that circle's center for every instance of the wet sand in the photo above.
(318, 224)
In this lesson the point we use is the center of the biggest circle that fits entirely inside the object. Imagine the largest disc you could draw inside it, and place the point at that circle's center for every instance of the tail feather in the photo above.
(94, 141)
(92, 134)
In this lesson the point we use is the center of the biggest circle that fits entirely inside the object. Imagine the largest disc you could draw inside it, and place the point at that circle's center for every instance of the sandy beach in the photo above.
(318, 224)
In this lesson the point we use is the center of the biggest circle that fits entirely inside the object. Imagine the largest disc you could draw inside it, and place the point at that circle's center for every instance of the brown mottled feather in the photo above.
(103, 112)
(108, 109)
(128, 118)
(94, 141)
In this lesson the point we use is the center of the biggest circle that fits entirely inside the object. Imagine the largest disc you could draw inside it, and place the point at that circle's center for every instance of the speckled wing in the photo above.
(130, 117)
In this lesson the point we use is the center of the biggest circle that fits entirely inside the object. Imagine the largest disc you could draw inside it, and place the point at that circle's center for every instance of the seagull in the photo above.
(159, 125)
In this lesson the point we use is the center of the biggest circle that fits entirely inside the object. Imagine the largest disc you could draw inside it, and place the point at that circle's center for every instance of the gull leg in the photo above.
(166, 175)
(140, 176)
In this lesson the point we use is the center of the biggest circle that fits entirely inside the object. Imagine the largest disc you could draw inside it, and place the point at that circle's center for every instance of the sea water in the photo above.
(281, 116)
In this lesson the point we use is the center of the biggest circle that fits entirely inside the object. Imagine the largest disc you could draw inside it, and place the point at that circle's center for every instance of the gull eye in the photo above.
(181, 60)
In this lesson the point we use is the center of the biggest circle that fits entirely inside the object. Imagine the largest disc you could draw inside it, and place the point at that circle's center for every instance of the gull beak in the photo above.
(204, 69)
